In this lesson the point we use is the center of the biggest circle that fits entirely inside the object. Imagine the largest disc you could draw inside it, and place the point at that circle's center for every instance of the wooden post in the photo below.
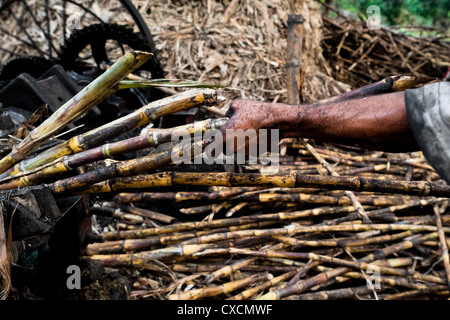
(293, 54)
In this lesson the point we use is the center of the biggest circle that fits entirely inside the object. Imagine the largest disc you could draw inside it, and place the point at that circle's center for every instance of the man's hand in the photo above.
(376, 122)
(245, 115)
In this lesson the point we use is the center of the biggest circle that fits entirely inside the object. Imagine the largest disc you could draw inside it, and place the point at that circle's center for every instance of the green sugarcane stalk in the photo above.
(175, 83)
(149, 138)
(136, 119)
(87, 98)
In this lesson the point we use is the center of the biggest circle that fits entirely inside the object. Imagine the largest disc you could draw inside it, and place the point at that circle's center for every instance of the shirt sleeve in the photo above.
(428, 111)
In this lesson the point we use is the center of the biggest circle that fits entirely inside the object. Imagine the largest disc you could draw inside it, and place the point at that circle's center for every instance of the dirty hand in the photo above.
(248, 114)
(244, 115)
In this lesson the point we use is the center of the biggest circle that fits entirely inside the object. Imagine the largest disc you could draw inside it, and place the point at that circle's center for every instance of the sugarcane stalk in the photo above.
(327, 259)
(139, 259)
(128, 218)
(150, 214)
(244, 295)
(228, 179)
(206, 268)
(148, 197)
(389, 84)
(217, 290)
(415, 293)
(297, 229)
(198, 209)
(346, 242)
(140, 244)
(148, 138)
(348, 194)
(394, 281)
(424, 219)
(151, 83)
(136, 119)
(395, 262)
(344, 293)
(149, 293)
(287, 262)
(195, 268)
(186, 226)
(374, 200)
(236, 208)
(126, 226)
(443, 242)
(359, 160)
(227, 270)
(87, 98)
(126, 168)
(111, 207)
(320, 278)
(407, 205)
(384, 279)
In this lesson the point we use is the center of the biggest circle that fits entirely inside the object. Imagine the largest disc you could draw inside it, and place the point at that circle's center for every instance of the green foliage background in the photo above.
(429, 13)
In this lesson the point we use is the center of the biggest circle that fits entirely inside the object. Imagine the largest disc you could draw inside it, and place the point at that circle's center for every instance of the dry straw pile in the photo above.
(241, 44)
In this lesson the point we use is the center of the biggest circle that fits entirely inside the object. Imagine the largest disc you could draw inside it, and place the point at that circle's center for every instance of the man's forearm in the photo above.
(376, 122)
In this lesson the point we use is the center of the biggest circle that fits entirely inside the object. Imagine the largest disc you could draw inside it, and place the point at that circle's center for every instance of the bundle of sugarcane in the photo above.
(291, 233)
(280, 254)
(287, 235)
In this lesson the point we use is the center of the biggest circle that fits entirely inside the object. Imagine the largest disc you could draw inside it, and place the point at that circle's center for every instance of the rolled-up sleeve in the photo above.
(428, 110)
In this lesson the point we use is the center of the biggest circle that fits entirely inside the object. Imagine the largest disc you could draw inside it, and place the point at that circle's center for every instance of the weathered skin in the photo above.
(376, 122)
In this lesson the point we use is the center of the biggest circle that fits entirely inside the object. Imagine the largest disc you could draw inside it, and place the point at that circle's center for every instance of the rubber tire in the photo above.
(99, 33)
